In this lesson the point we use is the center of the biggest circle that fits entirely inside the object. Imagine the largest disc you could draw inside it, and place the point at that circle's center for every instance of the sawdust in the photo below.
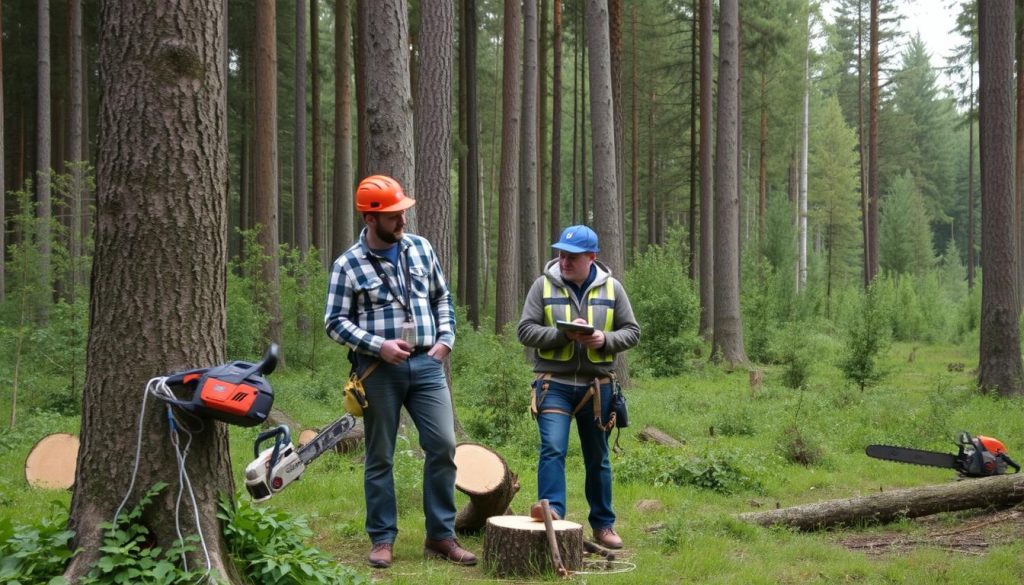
(971, 533)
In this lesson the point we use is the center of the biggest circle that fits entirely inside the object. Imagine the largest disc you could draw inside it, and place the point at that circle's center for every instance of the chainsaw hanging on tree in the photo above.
(979, 456)
(277, 466)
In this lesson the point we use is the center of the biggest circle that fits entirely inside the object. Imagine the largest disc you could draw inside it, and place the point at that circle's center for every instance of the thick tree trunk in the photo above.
(342, 215)
(3, 184)
(433, 126)
(607, 215)
(1003, 490)
(162, 165)
(999, 367)
(265, 187)
(556, 123)
(728, 334)
(508, 212)
(388, 107)
(529, 258)
(484, 476)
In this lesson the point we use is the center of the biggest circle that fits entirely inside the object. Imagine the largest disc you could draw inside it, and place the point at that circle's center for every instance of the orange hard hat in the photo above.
(381, 194)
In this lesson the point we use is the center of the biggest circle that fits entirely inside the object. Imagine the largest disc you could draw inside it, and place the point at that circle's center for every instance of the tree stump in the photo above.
(51, 462)
(484, 476)
(517, 546)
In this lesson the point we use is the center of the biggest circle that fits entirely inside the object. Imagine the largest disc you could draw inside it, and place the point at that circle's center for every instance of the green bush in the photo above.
(721, 473)
(867, 336)
(35, 554)
(667, 309)
(792, 348)
(269, 547)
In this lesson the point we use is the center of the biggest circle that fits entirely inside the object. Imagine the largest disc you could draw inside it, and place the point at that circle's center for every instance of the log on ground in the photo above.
(656, 435)
(517, 546)
(985, 492)
(484, 476)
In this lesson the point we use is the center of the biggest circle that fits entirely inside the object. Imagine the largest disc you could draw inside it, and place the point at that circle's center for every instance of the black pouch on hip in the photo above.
(619, 407)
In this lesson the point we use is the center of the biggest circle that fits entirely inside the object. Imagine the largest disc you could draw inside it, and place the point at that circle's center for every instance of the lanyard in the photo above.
(402, 299)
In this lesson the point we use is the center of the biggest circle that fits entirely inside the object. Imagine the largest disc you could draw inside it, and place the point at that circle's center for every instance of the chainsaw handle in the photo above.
(1010, 462)
(186, 377)
(282, 434)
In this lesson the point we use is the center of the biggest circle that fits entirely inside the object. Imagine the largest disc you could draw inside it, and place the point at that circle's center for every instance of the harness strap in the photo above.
(369, 370)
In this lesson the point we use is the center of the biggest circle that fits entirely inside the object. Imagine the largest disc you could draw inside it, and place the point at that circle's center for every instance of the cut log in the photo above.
(996, 491)
(484, 476)
(52, 461)
(352, 439)
(658, 436)
(278, 417)
(517, 546)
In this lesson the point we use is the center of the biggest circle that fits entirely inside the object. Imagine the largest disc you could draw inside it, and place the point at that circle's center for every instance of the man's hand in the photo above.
(395, 351)
(594, 340)
(439, 352)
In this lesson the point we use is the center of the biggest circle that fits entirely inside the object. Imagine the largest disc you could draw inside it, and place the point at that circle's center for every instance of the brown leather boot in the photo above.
(607, 537)
(380, 555)
(449, 550)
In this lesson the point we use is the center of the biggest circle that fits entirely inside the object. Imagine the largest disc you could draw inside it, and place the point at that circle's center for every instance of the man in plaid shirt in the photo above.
(388, 301)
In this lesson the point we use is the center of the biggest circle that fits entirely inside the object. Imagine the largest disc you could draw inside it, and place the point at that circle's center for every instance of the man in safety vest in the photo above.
(575, 378)
(388, 302)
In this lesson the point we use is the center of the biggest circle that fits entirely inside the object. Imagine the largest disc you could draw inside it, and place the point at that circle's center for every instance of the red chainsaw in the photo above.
(979, 456)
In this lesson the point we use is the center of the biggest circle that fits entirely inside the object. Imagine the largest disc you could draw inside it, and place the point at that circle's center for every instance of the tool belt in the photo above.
(593, 395)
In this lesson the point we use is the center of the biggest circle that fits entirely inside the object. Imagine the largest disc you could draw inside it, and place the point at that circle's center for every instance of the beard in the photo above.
(386, 236)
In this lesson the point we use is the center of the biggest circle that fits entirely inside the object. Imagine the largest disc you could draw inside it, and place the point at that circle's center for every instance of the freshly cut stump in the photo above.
(52, 461)
(517, 546)
(484, 476)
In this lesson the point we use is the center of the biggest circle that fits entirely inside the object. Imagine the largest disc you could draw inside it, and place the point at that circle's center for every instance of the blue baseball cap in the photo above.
(577, 239)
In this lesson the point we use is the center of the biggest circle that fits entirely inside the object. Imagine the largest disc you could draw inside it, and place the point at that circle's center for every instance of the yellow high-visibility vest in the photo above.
(600, 314)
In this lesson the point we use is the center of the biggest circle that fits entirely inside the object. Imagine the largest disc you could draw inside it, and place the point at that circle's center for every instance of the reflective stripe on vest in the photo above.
(559, 304)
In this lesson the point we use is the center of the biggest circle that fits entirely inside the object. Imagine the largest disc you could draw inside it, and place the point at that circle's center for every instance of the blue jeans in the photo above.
(554, 443)
(419, 385)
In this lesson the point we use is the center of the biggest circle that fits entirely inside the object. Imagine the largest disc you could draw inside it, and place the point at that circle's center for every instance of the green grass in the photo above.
(690, 536)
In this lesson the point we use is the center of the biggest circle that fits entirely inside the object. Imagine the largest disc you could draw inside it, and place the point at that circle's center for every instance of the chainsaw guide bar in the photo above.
(912, 456)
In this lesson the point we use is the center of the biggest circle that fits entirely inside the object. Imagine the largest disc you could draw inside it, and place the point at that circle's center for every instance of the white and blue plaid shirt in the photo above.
(363, 312)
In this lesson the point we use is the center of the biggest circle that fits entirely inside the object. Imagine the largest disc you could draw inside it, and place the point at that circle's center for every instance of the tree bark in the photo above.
(728, 334)
(44, 209)
(998, 491)
(300, 192)
(871, 270)
(529, 253)
(387, 109)
(706, 213)
(999, 367)
(472, 219)
(3, 179)
(162, 165)
(76, 164)
(484, 476)
(265, 186)
(517, 546)
(506, 296)
(319, 241)
(607, 215)
(342, 220)
(556, 124)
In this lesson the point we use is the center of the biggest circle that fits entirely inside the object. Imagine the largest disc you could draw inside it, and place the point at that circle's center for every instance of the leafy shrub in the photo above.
(721, 473)
(269, 547)
(666, 307)
(491, 377)
(792, 348)
(35, 554)
(247, 320)
(798, 447)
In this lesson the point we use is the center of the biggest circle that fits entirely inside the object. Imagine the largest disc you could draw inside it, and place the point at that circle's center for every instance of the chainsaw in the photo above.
(235, 392)
(275, 467)
(979, 456)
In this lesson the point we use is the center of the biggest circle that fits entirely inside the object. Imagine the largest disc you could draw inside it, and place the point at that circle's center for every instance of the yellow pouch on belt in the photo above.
(355, 394)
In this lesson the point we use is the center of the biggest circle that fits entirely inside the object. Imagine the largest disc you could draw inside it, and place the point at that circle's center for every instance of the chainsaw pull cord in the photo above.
(158, 388)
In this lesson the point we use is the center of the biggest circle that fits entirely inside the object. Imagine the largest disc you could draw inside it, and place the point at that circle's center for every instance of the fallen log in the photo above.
(656, 435)
(483, 475)
(985, 492)
(52, 462)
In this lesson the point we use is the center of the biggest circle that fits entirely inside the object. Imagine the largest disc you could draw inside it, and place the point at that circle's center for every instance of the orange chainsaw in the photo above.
(979, 456)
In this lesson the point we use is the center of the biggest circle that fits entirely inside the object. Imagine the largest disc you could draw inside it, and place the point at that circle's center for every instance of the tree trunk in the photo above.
(3, 183)
(508, 212)
(388, 107)
(265, 162)
(472, 220)
(529, 254)
(999, 357)
(694, 91)
(762, 159)
(634, 158)
(319, 241)
(76, 164)
(556, 124)
(607, 216)
(1018, 182)
(542, 126)
(300, 192)
(342, 213)
(517, 546)
(970, 189)
(802, 196)
(998, 491)
(162, 164)
(728, 334)
(706, 215)
(656, 435)
(652, 214)
(433, 126)
(873, 189)
(615, 55)
(44, 207)
(484, 476)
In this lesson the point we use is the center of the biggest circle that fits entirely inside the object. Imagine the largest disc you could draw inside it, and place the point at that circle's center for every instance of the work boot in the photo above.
(380, 555)
(607, 537)
(449, 550)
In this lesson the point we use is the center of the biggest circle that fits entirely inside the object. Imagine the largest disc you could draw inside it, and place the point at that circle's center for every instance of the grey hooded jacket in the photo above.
(533, 332)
